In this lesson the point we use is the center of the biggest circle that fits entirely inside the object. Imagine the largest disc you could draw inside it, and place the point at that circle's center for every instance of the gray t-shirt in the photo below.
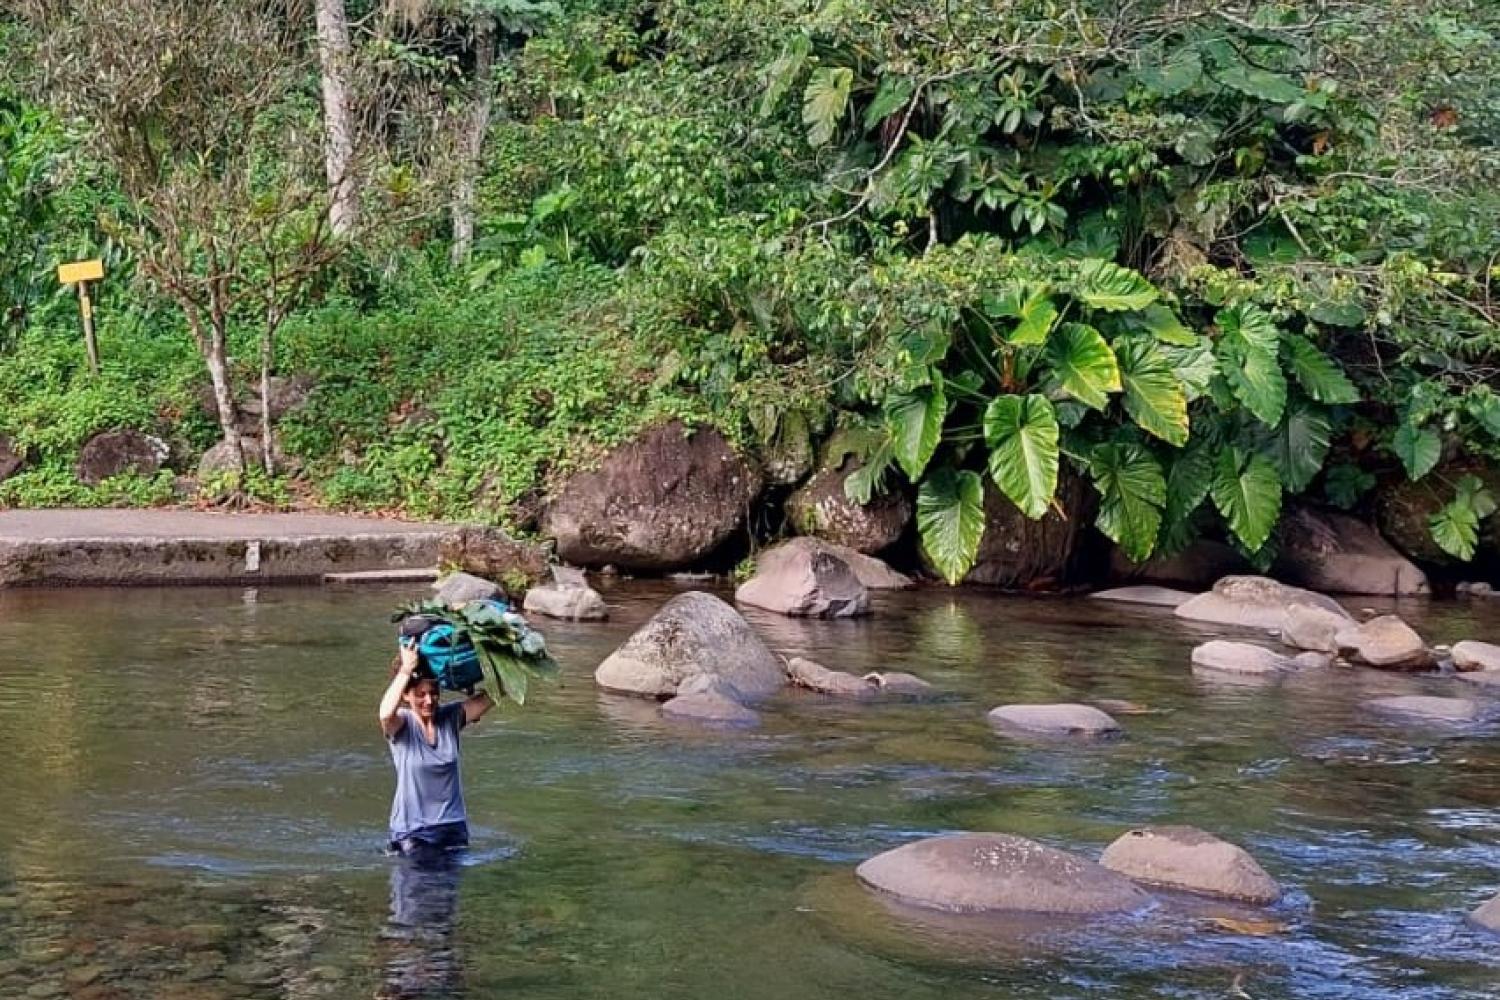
(428, 788)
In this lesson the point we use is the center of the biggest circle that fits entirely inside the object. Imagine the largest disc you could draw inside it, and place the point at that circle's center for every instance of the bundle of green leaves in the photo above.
(511, 653)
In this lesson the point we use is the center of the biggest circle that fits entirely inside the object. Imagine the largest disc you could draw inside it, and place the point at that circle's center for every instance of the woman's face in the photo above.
(422, 698)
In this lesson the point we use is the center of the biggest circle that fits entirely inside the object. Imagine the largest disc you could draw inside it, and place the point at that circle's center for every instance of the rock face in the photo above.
(1416, 706)
(1488, 916)
(1252, 602)
(1160, 597)
(1061, 720)
(1196, 567)
(709, 701)
(11, 458)
(822, 509)
(1240, 658)
(1404, 511)
(1188, 859)
(1471, 655)
(1386, 642)
(1337, 553)
(1307, 627)
(998, 873)
(461, 588)
(569, 603)
(693, 634)
(806, 582)
(1019, 553)
(816, 677)
(113, 453)
(661, 502)
(491, 553)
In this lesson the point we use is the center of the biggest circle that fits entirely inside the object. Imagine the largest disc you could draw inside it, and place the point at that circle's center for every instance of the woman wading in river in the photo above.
(427, 813)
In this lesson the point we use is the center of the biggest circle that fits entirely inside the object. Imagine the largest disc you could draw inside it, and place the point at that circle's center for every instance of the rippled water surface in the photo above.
(195, 793)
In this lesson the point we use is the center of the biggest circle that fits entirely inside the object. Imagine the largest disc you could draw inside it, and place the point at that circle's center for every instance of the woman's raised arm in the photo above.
(390, 702)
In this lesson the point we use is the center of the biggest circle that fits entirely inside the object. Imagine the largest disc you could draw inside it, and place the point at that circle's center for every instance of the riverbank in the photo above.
(156, 547)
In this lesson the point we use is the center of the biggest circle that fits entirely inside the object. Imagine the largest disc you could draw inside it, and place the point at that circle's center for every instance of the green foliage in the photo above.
(1132, 492)
(511, 653)
(1021, 432)
(950, 517)
(1455, 527)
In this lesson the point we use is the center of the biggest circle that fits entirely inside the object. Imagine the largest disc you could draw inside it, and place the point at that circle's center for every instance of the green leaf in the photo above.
(1472, 491)
(1131, 494)
(950, 520)
(1084, 364)
(1319, 375)
(1419, 449)
(1250, 323)
(1455, 528)
(1247, 491)
(824, 101)
(916, 422)
(1102, 284)
(1022, 434)
(1164, 324)
(1030, 305)
(1300, 445)
(1195, 367)
(1345, 484)
(1154, 395)
(1178, 72)
(1254, 377)
(781, 74)
(893, 93)
(1259, 83)
(1484, 407)
(1188, 481)
(864, 483)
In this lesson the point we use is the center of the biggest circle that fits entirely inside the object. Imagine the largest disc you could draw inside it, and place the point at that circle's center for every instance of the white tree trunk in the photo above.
(334, 57)
(477, 125)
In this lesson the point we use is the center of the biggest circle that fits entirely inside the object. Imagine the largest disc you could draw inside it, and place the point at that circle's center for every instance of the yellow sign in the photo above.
(82, 270)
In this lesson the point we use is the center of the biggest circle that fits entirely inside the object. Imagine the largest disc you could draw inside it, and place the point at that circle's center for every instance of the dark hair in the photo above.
(422, 673)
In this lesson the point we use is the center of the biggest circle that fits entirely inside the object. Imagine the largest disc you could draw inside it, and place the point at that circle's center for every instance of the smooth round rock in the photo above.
(1240, 658)
(998, 873)
(814, 676)
(1062, 720)
(1252, 602)
(694, 633)
(1192, 860)
(1312, 628)
(1386, 642)
(1488, 916)
(567, 602)
(1470, 655)
(709, 708)
(1425, 707)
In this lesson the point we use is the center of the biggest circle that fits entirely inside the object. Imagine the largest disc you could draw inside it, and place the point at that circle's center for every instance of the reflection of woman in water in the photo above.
(427, 813)
(420, 942)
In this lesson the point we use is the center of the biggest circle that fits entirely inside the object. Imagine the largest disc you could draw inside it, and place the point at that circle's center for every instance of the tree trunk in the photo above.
(477, 124)
(334, 58)
(216, 357)
(267, 356)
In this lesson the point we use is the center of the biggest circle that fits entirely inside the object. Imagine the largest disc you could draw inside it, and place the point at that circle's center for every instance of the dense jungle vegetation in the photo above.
(1204, 255)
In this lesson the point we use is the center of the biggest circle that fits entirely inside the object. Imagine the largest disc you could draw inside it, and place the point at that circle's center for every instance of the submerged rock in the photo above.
(1487, 916)
(1428, 708)
(461, 588)
(569, 603)
(1161, 597)
(1252, 602)
(805, 582)
(710, 701)
(1335, 552)
(1307, 627)
(1240, 658)
(1471, 655)
(1386, 642)
(900, 685)
(693, 634)
(997, 872)
(1066, 720)
(816, 677)
(1189, 859)
(1484, 678)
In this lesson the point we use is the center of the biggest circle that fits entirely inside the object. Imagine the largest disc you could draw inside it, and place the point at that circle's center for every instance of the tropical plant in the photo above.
(511, 653)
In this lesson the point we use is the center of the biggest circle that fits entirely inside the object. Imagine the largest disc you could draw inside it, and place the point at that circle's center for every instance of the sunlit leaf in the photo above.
(824, 101)
(1154, 395)
(1021, 432)
(1247, 491)
(1131, 494)
(916, 422)
(1084, 364)
(1319, 374)
(950, 520)
(1103, 284)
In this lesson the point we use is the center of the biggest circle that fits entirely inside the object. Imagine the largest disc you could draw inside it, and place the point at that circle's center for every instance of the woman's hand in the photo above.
(390, 703)
(408, 659)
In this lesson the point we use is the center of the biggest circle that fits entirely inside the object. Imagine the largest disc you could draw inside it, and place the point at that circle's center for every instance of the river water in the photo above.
(195, 792)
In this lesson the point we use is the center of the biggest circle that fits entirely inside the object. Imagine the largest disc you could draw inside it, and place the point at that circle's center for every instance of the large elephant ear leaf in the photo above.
(916, 423)
(1320, 375)
(1455, 527)
(1033, 311)
(1249, 322)
(1300, 445)
(824, 101)
(1154, 395)
(1419, 449)
(1104, 285)
(1254, 377)
(1132, 491)
(1021, 432)
(950, 521)
(1247, 491)
(1084, 365)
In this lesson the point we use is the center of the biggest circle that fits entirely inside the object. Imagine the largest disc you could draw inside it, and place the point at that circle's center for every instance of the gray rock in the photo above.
(12, 457)
(1471, 655)
(1386, 642)
(569, 576)
(461, 588)
(1487, 916)
(660, 502)
(1312, 660)
(1196, 567)
(1191, 860)
(1428, 708)
(1335, 552)
(710, 701)
(1162, 597)
(816, 677)
(1054, 720)
(571, 603)
(1241, 658)
(999, 873)
(494, 555)
(693, 634)
(1252, 602)
(113, 453)
(1017, 553)
(874, 573)
(821, 509)
(1307, 627)
(900, 685)
(804, 582)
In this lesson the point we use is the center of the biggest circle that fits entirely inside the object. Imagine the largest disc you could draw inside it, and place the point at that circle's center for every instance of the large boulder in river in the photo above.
(999, 873)
(821, 509)
(805, 582)
(1386, 642)
(114, 453)
(694, 634)
(1337, 553)
(1251, 602)
(1241, 658)
(12, 457)
(454, 589)
(1471, 655)
(1487, 916)
(1061, 720)
(491, 553)
(874, 573)
(1018, 553)
(1307, 627)
(1188, 859)
(660, 502)
(567, 602)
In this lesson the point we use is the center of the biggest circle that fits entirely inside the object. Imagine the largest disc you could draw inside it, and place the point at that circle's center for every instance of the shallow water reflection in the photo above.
(196, 796)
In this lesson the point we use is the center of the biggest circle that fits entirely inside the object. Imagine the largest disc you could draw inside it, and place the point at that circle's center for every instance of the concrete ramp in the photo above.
(159, 547)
